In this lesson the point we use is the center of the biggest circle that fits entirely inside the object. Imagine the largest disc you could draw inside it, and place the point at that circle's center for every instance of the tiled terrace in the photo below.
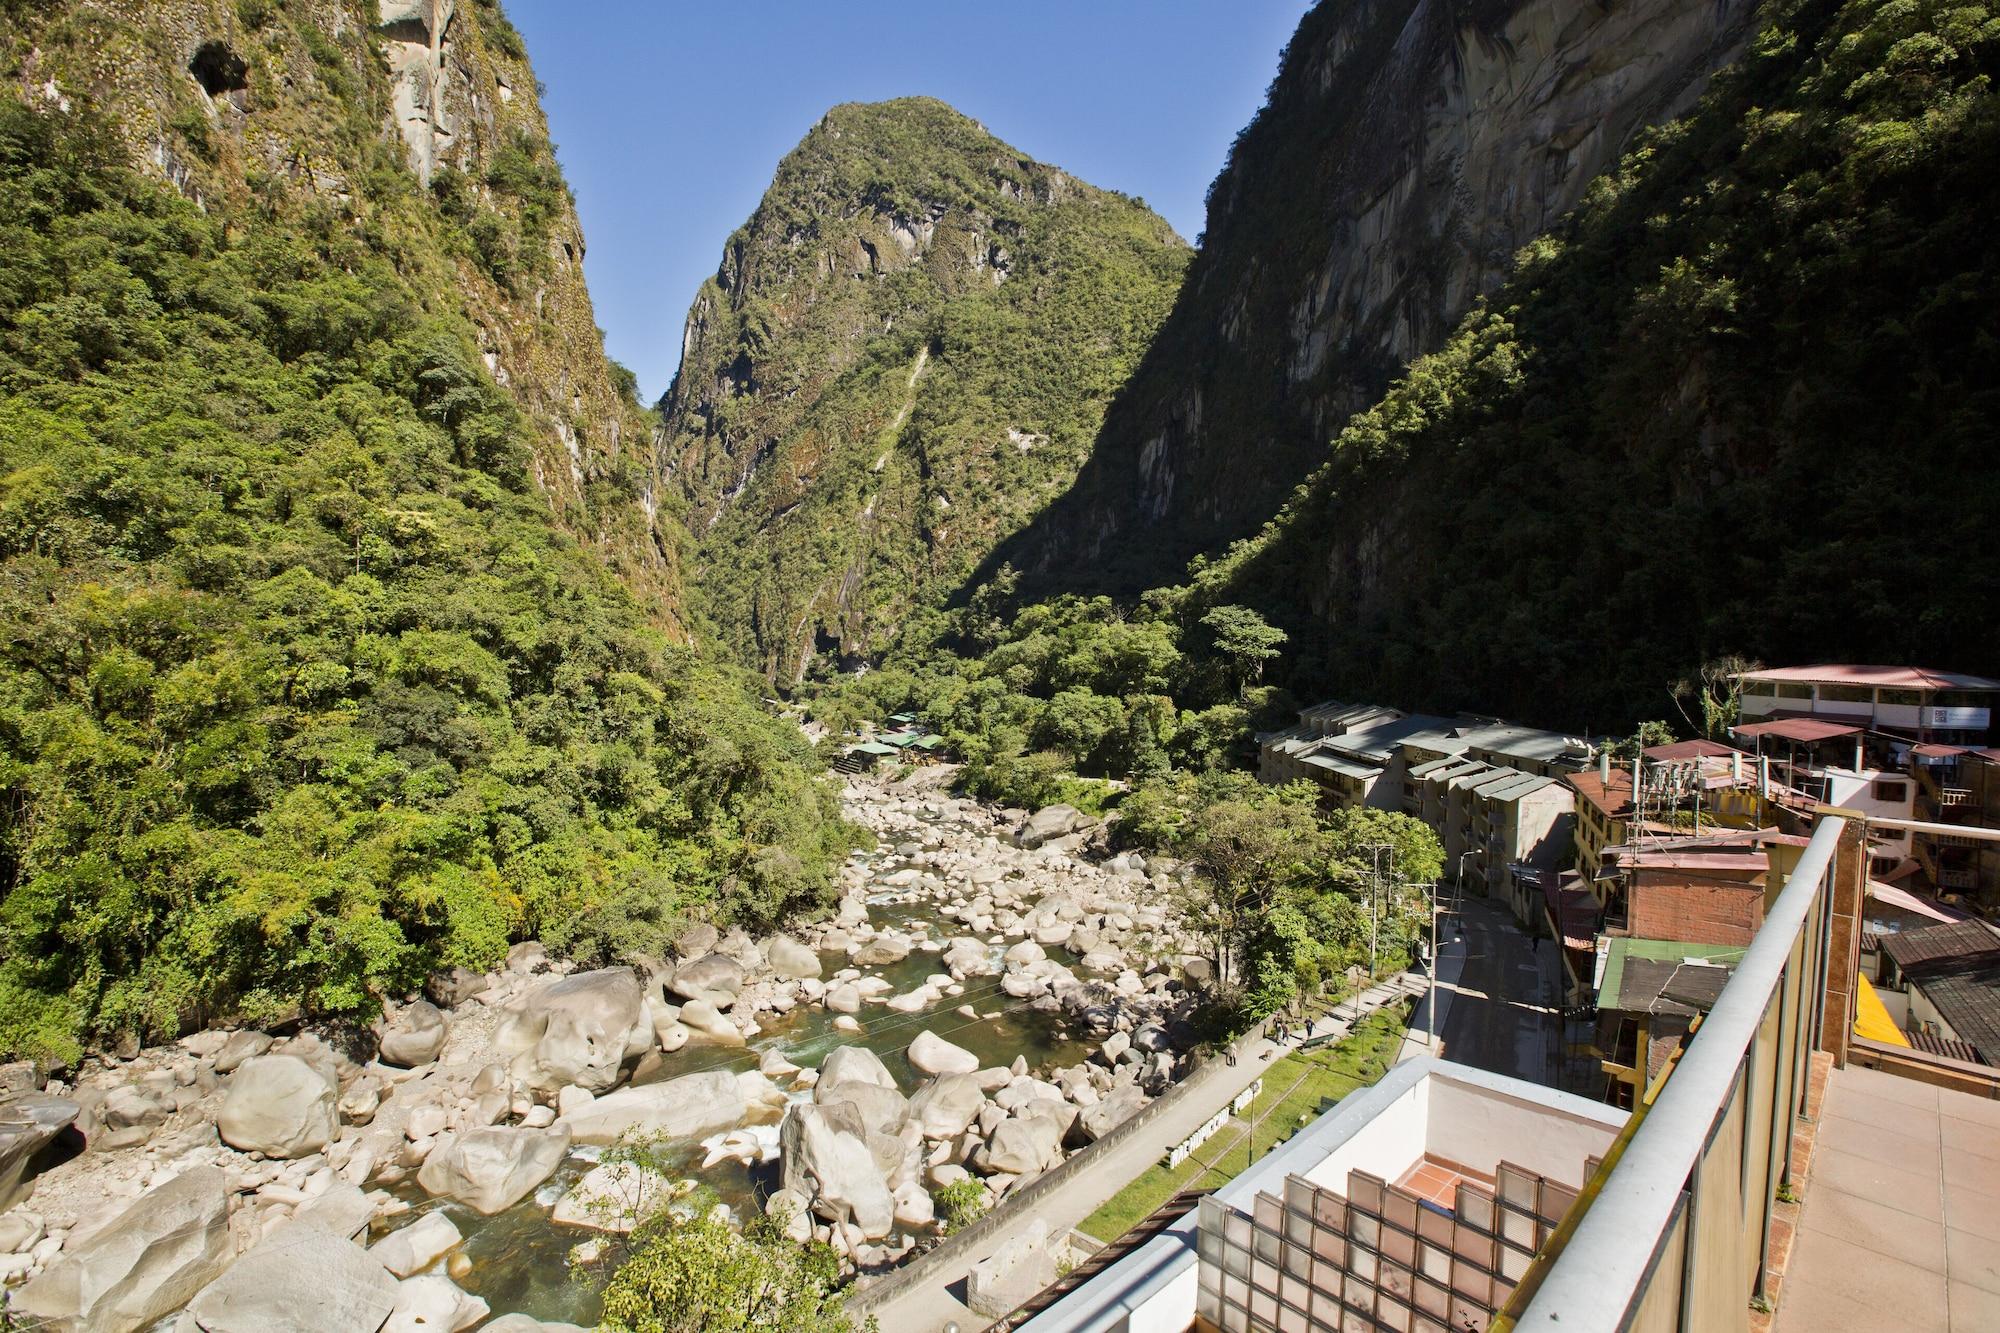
(1900, 1226)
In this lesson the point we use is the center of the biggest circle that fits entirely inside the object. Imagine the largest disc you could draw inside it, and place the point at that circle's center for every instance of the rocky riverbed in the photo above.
(991, 995)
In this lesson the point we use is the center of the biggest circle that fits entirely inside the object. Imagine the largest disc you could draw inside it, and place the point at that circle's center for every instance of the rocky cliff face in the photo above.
(1408, 150)
(903, 354)
(291, 104)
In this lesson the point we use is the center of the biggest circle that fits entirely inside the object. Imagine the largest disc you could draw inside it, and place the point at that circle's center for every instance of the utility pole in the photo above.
(1375, 850)
(1431, 1009)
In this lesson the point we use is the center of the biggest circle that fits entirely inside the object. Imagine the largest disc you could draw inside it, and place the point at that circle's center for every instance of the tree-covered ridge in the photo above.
(303, 691)
(1743, 402)
(303, 102)
(906, 352)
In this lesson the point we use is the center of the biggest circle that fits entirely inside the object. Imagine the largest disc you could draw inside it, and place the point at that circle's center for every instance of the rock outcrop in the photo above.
(28, 1124)
(298, 1279)
(494, 1169)
(577, 1031)
(687, 1107)
(142, 1265)
(279, 1105)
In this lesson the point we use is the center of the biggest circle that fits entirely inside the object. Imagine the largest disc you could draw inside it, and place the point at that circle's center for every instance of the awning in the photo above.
(1932, 750)
(1802, 729)
(1871, 1018)
(1891, 896)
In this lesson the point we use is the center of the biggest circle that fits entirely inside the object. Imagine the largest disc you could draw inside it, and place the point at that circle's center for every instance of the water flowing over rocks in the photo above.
(972, 1009)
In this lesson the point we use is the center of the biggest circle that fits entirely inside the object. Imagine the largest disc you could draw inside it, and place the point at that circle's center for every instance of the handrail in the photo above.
(1603, 1273)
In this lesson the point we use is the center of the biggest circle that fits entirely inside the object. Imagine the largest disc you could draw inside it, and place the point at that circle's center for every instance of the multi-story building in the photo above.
(1910, 703)
(1492, 790)
(1443, 1198)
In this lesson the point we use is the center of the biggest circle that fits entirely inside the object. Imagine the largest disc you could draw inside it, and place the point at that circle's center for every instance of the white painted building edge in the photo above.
(1152, 1289)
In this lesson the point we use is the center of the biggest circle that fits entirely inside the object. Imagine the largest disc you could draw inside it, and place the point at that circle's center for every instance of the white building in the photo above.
(1425, 1195)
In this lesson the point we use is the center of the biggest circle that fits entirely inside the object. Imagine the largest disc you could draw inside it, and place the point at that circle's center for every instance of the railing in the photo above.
(1674, 1230)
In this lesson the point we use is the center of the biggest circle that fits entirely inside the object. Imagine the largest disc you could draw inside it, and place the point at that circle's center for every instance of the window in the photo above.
(1908, 698)
(1894, 791)
(1847, 694)
(1962, 699)
(1790, 690)
(1893, 834)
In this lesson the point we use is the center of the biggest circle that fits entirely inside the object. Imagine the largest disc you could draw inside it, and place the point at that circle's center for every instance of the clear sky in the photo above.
(670, 115)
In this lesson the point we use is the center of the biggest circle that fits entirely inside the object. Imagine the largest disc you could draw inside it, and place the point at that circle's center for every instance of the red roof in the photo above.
(1804, 729)
(1931, 750)
(1884, 677)
(1613, 798)
(1694, 749)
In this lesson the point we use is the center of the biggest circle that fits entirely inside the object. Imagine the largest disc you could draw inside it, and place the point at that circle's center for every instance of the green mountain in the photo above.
(316, 491)
(905, 353)
(1407, 150)
(1744, 401)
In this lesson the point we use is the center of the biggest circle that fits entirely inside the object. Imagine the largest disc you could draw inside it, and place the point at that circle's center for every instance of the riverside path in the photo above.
(937, 1300)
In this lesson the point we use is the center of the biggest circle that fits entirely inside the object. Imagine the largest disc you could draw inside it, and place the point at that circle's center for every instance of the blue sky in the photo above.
(670, 115)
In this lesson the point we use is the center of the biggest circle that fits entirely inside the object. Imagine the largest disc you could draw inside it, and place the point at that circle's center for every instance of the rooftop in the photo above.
(1881, 677)
(1663, 976)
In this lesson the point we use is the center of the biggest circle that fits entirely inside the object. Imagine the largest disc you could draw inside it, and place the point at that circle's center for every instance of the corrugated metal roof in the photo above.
(1961, 941)
(1803, 729)
(1882, 677)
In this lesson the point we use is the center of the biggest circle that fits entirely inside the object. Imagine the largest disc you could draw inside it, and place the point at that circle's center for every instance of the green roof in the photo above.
(899, 739)
(869, 747)
(902, 717)
(1622, 947)
(928, 742)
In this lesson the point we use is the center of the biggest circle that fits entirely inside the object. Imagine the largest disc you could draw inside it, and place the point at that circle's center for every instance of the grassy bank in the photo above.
(1294, 1089)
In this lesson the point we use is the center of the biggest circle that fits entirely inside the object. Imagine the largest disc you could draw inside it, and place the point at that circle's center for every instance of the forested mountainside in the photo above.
(1407, 150)
(1744, 401)
(903, 355)
(313, 476)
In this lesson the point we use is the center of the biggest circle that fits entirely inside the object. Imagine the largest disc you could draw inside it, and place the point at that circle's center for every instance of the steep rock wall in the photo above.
(1408, 150)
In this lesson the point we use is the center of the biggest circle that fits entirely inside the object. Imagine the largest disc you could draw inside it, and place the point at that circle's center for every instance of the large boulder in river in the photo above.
(412, 1036)
(689, 1107)
(833, 1169)
(1047, 824)
(279, 1105)
(615, 1197)
(433, 1303)
(790, 959)
(713, 978)
(494, 1169)
(932, 1055)
(882, 950)
(27, 1125)
(854, 1064)
(578, 1030)
(298, 1279)
(417, 1246)
(945, 1107)
(146, 1263)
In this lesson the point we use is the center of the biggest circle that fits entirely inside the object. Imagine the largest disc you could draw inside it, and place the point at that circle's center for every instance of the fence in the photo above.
(960, 1250)
(1674, 1231)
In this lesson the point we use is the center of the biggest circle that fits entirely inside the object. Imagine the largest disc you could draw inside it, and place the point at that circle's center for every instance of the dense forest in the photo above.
(1742, 402)
(307, 686)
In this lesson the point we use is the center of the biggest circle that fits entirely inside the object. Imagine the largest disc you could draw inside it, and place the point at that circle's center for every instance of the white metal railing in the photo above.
(1676, 1233)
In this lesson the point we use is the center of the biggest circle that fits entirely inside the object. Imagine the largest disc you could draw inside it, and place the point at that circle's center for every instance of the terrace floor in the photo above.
(1900, 1225)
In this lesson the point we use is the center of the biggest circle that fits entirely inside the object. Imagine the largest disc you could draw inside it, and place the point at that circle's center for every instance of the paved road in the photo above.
(936, 1301)
(1495, 987)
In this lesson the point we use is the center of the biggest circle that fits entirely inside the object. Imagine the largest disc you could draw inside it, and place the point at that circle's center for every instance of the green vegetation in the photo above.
(961, 1203)
(304, 693)
(1296, 1088)
(907, 351)
(691, 1272)
(1743, 401)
